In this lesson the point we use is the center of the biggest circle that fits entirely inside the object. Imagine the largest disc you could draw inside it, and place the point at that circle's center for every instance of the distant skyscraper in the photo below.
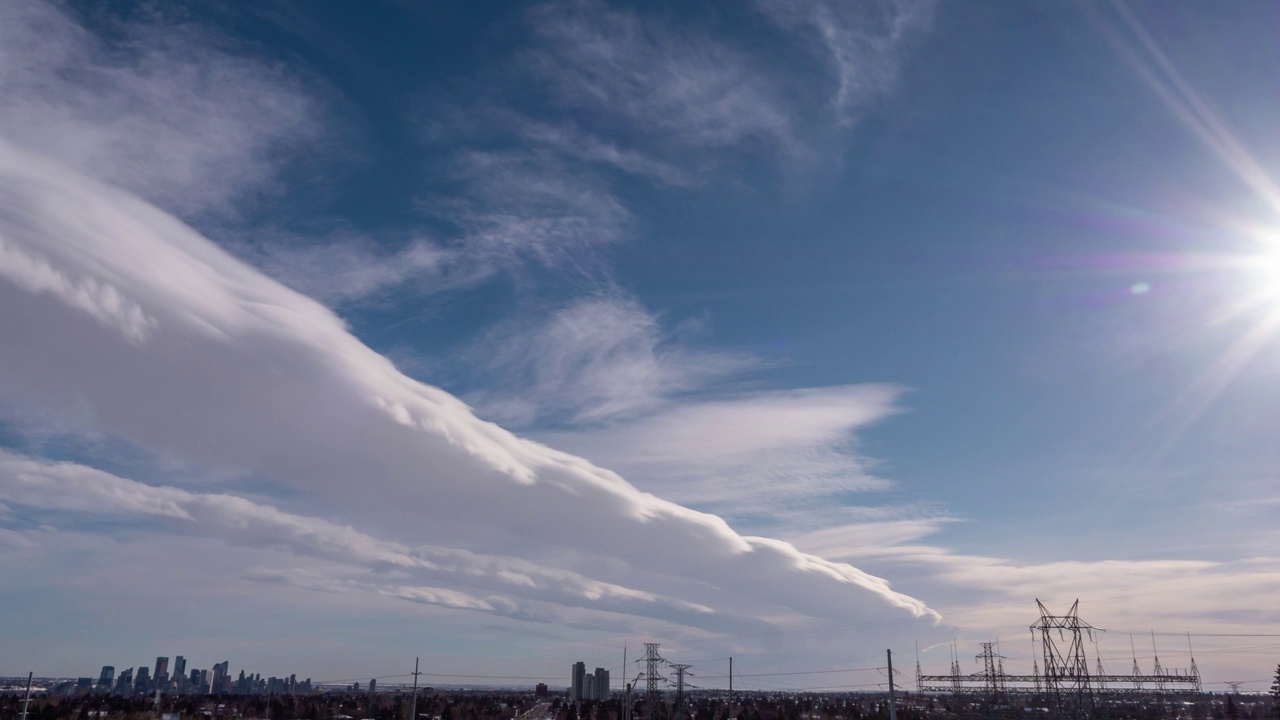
(161, 678)
(601, 685)
(221, 673)
(373, 686)
(588, 687)
(142, 682)
(124, 683)
(576, 681)
(179, 668)
(105, 679)
(540, 690)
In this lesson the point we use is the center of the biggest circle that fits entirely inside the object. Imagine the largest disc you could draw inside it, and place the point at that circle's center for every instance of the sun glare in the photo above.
(1268, 269)
(1271, 268)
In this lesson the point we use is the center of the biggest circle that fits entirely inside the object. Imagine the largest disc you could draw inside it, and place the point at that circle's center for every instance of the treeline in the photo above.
(476, 705)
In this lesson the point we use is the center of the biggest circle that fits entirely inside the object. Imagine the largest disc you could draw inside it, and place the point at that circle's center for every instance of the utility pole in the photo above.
(730, 688)
(413, 705)
(27, 698)
(624, 677)
(627, 709)
(893, 702)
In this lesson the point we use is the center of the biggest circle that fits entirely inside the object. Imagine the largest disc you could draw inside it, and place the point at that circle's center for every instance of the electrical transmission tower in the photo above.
(652, 698)
(1137, 671)
(955, 668)
(1064, 680)
(1235, 686)
(1066, 670)
(991, 674)
(677, 708)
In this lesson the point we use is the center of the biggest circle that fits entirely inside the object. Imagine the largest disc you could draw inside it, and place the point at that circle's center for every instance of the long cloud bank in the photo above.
(120, 319)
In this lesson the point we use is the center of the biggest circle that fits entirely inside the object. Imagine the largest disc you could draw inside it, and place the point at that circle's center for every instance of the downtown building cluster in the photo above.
(215, 681)
(584, 686)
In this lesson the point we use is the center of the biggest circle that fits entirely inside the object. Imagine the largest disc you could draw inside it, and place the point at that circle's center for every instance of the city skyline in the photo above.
(515, 335)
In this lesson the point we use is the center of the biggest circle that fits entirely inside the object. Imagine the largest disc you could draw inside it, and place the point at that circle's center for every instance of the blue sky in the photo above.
(505, 336)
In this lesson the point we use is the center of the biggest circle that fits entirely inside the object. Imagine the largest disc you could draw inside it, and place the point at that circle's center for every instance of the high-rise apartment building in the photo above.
(179, 669)
(142, 683)
(601, 685)
(576, 681)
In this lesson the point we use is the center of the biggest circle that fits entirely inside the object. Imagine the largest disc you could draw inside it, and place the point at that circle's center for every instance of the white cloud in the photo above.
(599, 358)
(33, 484)
(244, 373)
(164, 109)
(101, 300)
(762, 453)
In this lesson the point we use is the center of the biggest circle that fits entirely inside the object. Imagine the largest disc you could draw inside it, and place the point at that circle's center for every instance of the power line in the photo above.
(798, 672)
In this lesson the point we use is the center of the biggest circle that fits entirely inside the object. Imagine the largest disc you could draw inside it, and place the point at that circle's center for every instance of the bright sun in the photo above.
(1269, 268)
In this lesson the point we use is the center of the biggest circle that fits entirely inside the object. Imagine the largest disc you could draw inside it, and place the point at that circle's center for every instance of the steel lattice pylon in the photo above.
(1066, 670)
(652, 698)
(677, 707)
(992, 671)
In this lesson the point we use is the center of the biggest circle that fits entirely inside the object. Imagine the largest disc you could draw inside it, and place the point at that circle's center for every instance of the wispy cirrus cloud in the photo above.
(516, 207)
(759, 457)
(863, 44)
(651, 100)
(348, 267)
(167, 109)
(597, 359)
(654, 80)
